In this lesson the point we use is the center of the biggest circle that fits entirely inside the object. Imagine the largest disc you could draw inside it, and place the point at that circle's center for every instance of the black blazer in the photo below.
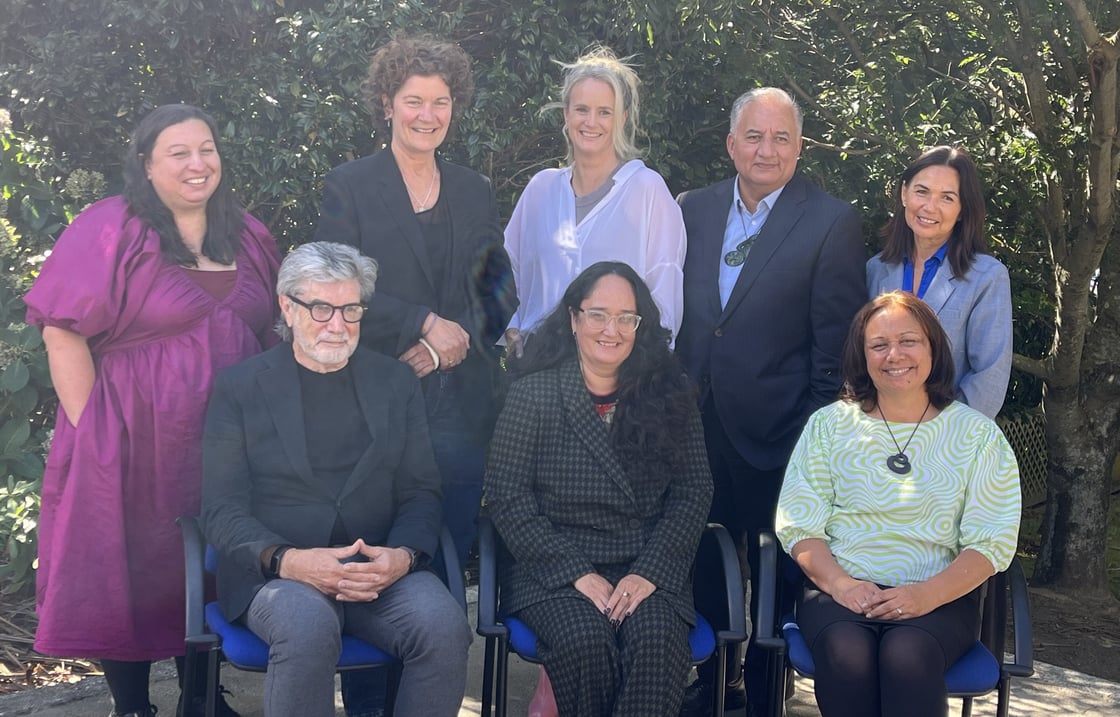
(772, 356)
(565, 505)
(365, 204)
(257, 487)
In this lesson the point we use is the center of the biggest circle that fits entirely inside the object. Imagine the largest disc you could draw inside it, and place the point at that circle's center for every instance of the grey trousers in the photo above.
(416, 619)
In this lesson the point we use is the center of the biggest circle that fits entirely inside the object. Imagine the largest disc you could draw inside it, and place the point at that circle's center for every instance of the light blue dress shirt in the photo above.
(741, 223)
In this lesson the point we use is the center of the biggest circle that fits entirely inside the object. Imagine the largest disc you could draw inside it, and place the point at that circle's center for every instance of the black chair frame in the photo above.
(495, 676)
(1002, 591)
(200, 639)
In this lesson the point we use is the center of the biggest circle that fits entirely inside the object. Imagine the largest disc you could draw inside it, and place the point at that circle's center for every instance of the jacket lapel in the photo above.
(589, 428)
(279, 385)
(785, 214)
(391, 192)
(721, 197)
(941, 288)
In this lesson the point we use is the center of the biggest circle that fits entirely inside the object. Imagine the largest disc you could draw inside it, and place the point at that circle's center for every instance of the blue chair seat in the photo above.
(242, 648)
(975, 673)
(209, 631)
(701, 639)
(505, 634)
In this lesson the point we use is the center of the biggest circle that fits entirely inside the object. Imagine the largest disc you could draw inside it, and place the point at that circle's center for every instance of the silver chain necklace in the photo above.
(900, 463)
(421, 204)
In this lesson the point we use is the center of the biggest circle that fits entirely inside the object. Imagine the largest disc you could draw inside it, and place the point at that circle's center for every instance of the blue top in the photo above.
(929, 269)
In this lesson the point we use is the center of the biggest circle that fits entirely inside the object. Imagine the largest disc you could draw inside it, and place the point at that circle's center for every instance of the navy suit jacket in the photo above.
(258, 489)
(366, 205)
(772, 355)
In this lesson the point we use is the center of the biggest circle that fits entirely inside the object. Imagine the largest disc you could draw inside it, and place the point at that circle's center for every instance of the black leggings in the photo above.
(128, 681)
(887, 668)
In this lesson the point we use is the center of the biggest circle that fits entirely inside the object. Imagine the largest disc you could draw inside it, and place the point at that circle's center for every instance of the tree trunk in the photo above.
(1079, 472)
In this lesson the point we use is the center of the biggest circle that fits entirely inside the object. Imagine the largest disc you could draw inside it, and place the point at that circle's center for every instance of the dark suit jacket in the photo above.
(564, 505)
(365, 204)
(258, 489)
(772, 356)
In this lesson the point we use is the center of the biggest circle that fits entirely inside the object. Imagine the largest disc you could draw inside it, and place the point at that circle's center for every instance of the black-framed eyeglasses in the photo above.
(738, 255)
(598, 320)
(323, 312)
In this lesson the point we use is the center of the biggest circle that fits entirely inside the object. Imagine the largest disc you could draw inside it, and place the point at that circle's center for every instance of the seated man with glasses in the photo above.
(322, 497)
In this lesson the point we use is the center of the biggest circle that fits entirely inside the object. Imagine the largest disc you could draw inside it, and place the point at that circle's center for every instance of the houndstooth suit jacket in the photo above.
(564, 505)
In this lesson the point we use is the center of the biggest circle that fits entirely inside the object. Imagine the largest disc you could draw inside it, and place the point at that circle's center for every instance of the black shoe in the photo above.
(198, 706)
(698, 699)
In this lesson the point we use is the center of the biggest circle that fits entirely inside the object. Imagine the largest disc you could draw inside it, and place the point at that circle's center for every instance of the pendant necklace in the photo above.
(900, 463)
(422, 204)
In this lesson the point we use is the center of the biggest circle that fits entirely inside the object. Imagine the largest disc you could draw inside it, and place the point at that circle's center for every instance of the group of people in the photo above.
(327, 414)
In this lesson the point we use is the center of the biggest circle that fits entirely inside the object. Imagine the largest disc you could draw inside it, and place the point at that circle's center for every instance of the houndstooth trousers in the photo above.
(638, 670)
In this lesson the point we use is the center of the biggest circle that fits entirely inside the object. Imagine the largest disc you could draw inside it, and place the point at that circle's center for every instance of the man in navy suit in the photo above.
(773, 276)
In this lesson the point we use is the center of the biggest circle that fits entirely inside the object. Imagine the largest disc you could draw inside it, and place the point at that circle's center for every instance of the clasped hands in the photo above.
(868, 599)
(336, 573)
(616, 602)
(449, 340)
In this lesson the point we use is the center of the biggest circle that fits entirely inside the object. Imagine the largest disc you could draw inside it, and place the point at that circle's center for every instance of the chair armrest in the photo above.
(736, 630)
(767, 597)
(452, 569)
(194, 547)
(1023, 666)
(488, 625)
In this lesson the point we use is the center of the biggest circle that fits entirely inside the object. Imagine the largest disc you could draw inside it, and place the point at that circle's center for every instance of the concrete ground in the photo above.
(1052, 691)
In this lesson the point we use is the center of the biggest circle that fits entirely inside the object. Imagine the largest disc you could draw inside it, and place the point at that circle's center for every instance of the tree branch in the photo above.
(1039, 368)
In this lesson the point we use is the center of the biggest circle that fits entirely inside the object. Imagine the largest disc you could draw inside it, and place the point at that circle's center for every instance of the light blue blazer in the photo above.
(975, 311)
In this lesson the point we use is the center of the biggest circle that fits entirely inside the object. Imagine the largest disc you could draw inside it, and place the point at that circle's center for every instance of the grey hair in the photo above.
(323, 262)
(600, 63)
(758, 93)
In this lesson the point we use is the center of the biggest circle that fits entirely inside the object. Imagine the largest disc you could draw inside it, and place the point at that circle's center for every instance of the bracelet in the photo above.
(431, 352)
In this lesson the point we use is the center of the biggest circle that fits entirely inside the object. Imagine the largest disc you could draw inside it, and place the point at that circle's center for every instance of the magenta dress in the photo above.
(110, 577)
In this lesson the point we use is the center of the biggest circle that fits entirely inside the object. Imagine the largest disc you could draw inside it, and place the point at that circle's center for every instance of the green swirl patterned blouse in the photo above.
(963, 492)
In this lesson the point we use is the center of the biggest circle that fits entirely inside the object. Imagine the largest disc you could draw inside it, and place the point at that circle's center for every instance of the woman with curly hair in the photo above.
(598, 484)
(444, 289)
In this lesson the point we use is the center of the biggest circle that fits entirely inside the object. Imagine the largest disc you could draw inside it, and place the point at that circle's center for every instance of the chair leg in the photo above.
(501, 687)
(966, 707)
(214, 679)
(718, 692)
(1004, 703)
(488, 677)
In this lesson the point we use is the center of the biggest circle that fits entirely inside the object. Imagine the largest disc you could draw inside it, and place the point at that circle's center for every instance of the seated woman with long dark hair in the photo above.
(598, 484)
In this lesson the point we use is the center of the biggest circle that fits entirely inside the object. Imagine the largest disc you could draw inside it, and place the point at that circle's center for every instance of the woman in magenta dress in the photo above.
(145, 297)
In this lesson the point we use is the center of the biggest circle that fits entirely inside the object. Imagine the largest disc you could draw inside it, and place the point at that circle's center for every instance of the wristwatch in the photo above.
(413, 557)
(273, 571)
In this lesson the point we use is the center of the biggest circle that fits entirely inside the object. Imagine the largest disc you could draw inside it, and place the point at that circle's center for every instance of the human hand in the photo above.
(515, 344)
(321, 568)
(595, 588)
(903, 603)
(366, 580)
(627, 595)
(449, 340)
(419, 359)
(859, 596)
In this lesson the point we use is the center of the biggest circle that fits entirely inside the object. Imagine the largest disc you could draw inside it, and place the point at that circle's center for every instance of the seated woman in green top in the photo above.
(898, 503)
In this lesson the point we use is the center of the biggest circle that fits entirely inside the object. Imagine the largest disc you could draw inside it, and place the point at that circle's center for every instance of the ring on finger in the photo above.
(625, 594)
(899, 611)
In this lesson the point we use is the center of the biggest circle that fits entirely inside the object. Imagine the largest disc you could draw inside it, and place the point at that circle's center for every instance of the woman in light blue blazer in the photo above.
(934, 247)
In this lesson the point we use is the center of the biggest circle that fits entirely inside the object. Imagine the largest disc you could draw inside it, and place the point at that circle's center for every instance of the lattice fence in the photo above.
(1026, 432)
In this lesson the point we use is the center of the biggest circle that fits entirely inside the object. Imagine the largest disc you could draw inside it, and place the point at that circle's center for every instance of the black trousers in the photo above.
(744, 501)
